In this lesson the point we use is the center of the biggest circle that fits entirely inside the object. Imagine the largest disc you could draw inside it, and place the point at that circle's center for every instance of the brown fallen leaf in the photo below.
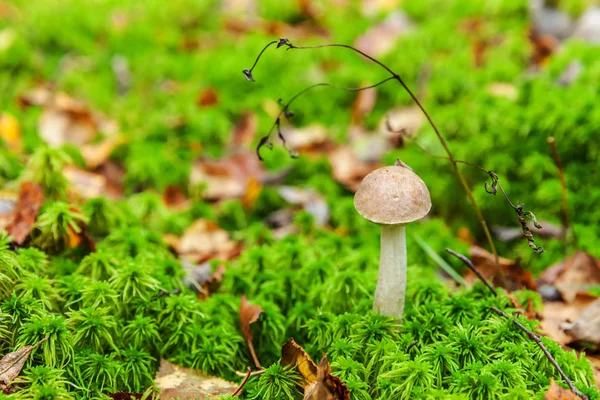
(586, 328)
(401, 122)
(327, 386)
(318, 383)
(175, 382)
(65, 119)
(294, 356)
(347, 169)
(558, 313)
(249, 314)
(204, 240)
(227, 178)
(311, 139)
(12, 363)
(245, 129)
(363, 104)
(10, 132)
(86, 184)
(31, 197)
(311, 202)
(516, 277)
(381, 38)
(201, 279)
(574, 275)
(556, 392)
(208, 98)
(174, 198)
(543, 47)
(96, 154)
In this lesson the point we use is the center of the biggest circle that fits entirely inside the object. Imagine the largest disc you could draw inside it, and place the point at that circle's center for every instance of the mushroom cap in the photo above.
(392, 195)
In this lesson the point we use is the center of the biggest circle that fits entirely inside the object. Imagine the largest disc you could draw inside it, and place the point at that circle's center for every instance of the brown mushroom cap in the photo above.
(392, 195)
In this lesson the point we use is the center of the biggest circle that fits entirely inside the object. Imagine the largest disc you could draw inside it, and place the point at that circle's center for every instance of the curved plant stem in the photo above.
(441, 139)
(238, 391)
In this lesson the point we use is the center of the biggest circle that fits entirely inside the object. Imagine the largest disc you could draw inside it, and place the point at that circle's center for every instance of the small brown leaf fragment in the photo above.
(208, 97)
(319, 384)
(245, 129)
(381, 39)
(347, 169)
(25, 212)
(86, 184)
(175, 382)
(516, 277)
(249, 314)
(586, 327)
(363, 104)
(327, 386)
(556, 392)
(574, 275)
(310, 201)
(96, 154)
(229, 177)
(12, 363)
(174, 198)
(205, 240)
(558, 313)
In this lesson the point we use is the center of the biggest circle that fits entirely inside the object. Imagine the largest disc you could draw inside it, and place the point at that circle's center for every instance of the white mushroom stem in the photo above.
(391, 283)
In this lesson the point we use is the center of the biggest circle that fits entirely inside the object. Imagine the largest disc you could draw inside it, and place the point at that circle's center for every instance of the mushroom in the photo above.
(392, 197)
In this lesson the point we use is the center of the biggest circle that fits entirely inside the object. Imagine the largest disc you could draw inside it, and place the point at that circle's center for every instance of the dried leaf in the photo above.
(245, 129)
(253, 190)
(86, 184)
(208, 98)
(175, 382)
(363, 104)
(204, 240)
(28, 205)
(10, 132)
(174, 198)
(201, 278)
(586, 327)
(382, 38)
(97, 154)
(556, 392)
(557, 313)
(347, 169)
(319, 384)
(248, 315)
(311, 201)
(516, 277)
(294, 356)
(401, 122)
(12, 363)
(65, 119)
(229, 177)
(311, 139)
(574, 275)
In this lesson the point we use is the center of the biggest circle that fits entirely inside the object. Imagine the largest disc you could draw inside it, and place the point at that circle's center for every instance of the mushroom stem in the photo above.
(391, 283)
